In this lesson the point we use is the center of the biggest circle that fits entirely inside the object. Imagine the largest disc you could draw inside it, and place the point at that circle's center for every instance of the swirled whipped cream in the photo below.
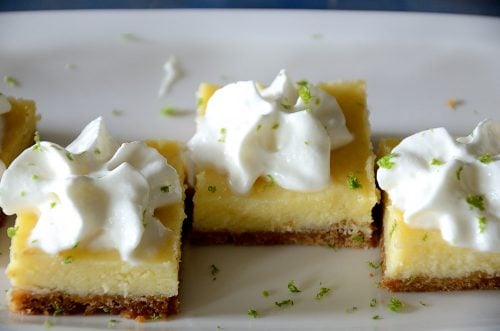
(4, 108)
(451, 185)
(285, 131)
(94, 193)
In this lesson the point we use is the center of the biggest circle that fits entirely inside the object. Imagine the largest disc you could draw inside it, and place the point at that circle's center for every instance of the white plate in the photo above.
(413, 64)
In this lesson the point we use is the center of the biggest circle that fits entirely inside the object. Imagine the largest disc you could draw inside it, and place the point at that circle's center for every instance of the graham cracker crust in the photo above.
(336, 237)
(475, 281)
(60, 303)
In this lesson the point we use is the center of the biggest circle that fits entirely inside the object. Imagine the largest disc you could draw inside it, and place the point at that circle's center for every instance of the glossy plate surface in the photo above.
(82, 64)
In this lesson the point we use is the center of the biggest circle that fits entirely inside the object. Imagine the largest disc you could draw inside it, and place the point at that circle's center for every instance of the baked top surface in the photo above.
(102, 272)
(267, 207)
(19, 128)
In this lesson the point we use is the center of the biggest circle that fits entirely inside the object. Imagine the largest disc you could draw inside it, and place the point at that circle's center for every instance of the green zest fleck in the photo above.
(292, 288)
(316, 36)
(424, 238)
(302, 82)
(252, 313)
(423, 304)
(155, 317)
(165, 189)
(332, 246)
(212, 188)
(265, 293)
(482, 223)
(69, 156)
(393, 228)
(358, 238)
(68, 259)
(23, 193)
(35, 177)
(223, 133)
(287, 107)
(353, 182)
(351, 310)
(168, 111)
(486, 158)
(283, 303)
(11, 231)
(306, 142)
(11, 81)
(322, 292)
(34, 241)
(97, 151)
(386, 161)
(112, 322)
(275, 126)
(305, 93)
(143, 220)
(410, 280)
(459, 172)
(258, 127)
(116, 112)
(70, 66)
(37, 146)
(437, 162)
(476, 201)
(58, 310)
(47, 324)
(374, 265)
(76, 244)
(395, 304)
(53, 204)
(270, 179)
(214, 271)
(129, 37)
(373, 303)
(376, 317)
(199, 101)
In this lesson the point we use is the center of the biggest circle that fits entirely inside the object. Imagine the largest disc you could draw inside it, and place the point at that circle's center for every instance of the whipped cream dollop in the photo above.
(4, 108)
(285, 131)
(172, 72)
(94, 193)
(451, 185)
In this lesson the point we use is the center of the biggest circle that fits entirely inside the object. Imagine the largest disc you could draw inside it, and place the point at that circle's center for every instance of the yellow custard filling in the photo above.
(18, 129)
